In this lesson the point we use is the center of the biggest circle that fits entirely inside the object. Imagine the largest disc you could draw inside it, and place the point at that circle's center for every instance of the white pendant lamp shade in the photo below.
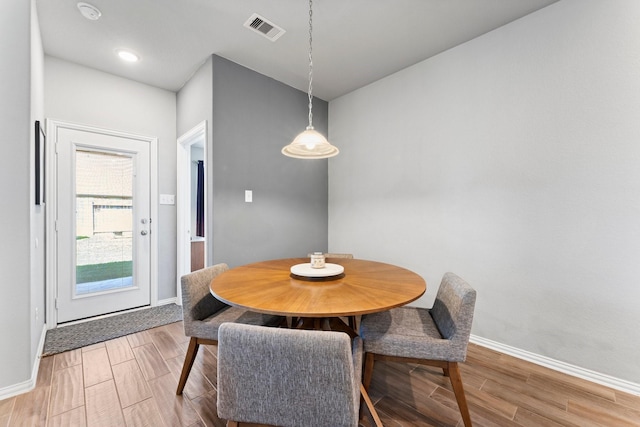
(310, 144)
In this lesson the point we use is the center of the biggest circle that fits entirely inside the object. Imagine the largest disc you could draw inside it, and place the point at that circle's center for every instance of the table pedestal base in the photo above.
(323, 324)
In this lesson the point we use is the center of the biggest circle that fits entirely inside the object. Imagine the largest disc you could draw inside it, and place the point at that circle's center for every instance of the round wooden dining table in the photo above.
(364, 287)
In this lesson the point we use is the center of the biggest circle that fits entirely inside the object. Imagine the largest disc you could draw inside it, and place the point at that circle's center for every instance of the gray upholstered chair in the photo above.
(289, 377)
(436, 337)
(203, 314)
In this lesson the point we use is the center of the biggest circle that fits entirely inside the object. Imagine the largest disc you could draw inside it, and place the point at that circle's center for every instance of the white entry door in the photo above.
(103, 223)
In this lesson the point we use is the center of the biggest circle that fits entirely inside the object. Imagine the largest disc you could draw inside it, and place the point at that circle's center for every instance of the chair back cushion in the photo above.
(453, 310)
(338, 255)
(287, 377)
(197, 301)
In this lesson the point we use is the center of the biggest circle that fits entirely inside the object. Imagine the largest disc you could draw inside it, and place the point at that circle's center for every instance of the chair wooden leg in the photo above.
(189, 358)
(352, 323)
(370, 408)
(368, 370)
(232, 424)
(458, 390)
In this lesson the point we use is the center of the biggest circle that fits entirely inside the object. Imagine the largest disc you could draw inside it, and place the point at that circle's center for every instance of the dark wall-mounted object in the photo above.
(41, 141)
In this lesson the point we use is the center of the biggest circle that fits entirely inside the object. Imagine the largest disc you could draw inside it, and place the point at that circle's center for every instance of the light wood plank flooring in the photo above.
(131, 381)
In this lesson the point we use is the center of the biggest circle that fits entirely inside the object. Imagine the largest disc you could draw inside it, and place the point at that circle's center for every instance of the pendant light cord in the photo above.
(310, 64)
(310, 144)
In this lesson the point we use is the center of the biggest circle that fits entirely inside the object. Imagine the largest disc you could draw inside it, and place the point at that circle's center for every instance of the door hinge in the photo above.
(55, 225)
(56, 303)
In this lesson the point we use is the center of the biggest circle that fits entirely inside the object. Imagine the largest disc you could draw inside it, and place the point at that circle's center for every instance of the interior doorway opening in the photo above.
(192, 236)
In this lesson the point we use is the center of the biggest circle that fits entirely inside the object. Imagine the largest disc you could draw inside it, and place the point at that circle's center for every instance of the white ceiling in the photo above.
(355, 42)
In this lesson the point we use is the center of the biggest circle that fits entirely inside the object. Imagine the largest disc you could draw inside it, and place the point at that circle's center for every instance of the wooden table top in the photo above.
(365, 287)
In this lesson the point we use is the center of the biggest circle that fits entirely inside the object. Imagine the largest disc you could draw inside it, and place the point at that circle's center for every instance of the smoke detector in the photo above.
(264, 27)
(89, 11)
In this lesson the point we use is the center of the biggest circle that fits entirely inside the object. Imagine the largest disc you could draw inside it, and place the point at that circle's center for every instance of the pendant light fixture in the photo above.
(310, 144)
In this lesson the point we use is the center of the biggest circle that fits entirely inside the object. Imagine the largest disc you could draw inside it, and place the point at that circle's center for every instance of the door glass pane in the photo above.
(104, 221)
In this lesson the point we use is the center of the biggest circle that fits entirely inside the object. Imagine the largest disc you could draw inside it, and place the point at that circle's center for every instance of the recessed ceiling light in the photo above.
(89, 11)
(127, 55)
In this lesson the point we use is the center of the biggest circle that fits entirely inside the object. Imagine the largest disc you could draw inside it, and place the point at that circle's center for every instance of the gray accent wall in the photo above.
(250, 118)
(254, 116)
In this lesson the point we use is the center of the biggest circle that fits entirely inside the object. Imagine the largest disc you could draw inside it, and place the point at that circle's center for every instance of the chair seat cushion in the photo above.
(408, 332)
(208, 328)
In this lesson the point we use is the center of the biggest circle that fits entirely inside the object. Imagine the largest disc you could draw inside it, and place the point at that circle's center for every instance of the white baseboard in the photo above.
(168, 301)
(28, 385)
(556, 365)
(16, 389)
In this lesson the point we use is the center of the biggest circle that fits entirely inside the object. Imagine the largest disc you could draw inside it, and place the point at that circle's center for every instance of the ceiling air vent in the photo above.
(264, 27)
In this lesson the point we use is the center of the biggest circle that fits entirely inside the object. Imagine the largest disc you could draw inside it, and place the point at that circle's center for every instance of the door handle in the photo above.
(144, 232)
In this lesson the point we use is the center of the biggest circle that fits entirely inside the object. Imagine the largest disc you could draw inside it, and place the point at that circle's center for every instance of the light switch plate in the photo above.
(248, 196)
(167, 199)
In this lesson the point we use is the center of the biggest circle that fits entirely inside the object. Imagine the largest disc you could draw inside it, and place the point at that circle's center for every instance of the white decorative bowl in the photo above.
(305, 270)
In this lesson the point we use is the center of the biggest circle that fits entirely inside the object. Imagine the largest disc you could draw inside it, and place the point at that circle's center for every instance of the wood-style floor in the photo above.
(131, 381)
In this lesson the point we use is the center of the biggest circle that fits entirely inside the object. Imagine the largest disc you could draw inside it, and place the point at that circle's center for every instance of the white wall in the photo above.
(194, 99)
(17, 214)
(514, 161)
(195, 105)
(36, 311)
(78, 94)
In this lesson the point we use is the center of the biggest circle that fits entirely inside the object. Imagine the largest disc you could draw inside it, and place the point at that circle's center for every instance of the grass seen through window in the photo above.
(105, 271)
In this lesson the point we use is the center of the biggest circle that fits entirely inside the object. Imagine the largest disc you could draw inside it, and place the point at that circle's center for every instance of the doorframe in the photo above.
(51, 184)
(183, 198)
